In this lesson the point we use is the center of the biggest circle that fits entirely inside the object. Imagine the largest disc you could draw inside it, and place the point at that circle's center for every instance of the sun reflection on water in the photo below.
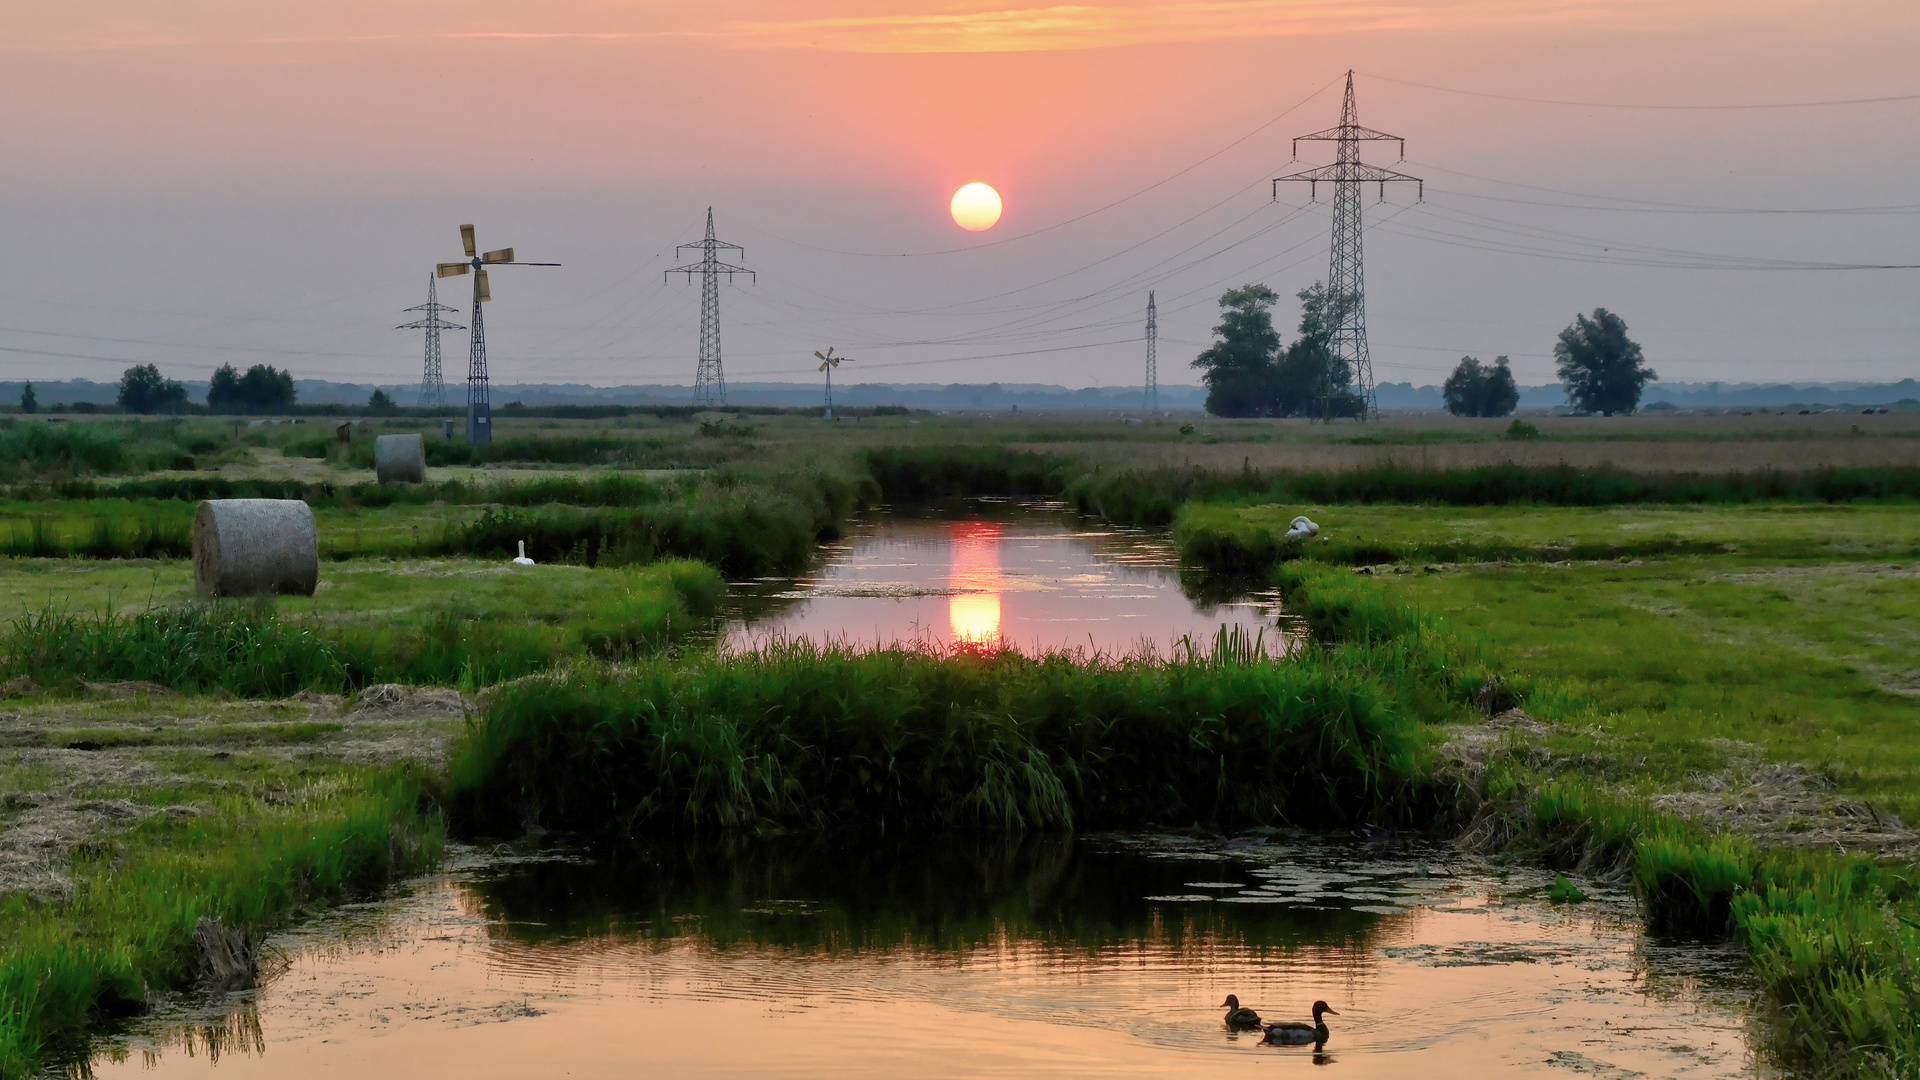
(973, 611)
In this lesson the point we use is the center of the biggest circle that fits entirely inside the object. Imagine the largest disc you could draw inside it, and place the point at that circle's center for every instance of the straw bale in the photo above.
(401, 458)
(243, 547)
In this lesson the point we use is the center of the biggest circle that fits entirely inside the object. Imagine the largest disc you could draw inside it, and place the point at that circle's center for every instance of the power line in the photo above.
(1660, 107)
(1078, 217)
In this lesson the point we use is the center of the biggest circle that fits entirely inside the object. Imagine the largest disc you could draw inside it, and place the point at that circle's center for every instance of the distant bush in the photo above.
(1521, 429)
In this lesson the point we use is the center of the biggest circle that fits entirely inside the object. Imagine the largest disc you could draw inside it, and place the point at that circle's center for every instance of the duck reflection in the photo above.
(973, 611)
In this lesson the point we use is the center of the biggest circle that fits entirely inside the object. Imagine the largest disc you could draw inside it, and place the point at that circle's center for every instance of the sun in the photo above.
(975, 207)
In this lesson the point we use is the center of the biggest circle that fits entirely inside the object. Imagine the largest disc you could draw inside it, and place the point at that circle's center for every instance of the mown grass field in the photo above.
(1791, 630)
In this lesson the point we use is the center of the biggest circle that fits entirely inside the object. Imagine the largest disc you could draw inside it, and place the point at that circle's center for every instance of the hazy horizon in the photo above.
(193, 184)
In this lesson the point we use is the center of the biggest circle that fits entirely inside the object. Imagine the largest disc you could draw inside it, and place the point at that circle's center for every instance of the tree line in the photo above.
(1248, 372)
(144, 390)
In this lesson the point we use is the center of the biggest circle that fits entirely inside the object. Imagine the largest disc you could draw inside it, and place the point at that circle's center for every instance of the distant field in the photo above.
(527, 447)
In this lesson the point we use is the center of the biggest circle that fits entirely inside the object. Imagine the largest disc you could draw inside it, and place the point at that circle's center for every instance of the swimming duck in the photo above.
(1239, 1019)
(1297, 1034)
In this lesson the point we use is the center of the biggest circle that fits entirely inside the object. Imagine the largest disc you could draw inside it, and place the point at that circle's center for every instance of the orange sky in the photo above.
(199, 182)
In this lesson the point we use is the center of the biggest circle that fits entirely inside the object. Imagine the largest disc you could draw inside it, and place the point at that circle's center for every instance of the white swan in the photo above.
(521, 559)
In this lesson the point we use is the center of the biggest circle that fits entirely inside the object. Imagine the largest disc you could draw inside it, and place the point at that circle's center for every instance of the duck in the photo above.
(1294, 1033)
(1238, 1018)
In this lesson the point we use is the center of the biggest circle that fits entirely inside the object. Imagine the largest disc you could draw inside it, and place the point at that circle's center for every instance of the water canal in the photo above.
(1106, 955)
(988, 572)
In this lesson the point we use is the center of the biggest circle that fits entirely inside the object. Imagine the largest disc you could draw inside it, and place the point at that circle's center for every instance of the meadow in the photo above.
(1728, 603)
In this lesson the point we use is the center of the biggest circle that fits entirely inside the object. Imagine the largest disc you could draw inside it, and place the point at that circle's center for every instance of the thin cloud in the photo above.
(1085, 26)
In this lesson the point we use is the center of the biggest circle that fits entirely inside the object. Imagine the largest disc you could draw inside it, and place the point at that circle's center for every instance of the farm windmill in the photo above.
(479, 404)
(828, 362)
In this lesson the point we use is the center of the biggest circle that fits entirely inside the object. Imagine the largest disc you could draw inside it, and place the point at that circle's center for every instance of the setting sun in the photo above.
(975, 207)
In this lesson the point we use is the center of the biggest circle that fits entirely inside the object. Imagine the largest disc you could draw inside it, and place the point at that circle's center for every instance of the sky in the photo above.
(217, 181)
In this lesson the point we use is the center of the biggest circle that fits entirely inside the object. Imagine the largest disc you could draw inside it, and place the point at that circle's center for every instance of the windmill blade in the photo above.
(481, 292)
(816, 352)
(449, 269)
(822, 367)
(466, 239)
(504, 255)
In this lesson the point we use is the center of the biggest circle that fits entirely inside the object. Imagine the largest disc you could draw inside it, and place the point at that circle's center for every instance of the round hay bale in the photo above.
(401, 458)
(243, 547)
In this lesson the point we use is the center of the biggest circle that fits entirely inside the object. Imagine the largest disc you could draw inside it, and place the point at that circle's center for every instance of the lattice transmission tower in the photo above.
(709, 382)
(1346, 278)
(1152, 404)
(433, 390)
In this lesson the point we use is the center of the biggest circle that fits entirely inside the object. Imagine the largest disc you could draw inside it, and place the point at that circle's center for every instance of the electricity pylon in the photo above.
(709, 382)
(1152, 403)
(1346, 280)
(433, 391)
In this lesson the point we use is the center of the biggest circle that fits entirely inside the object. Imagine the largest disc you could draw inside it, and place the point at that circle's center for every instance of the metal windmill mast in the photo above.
(709, 382)
(1346, 279)
(479, 400)
(1153, 373)
(433, 391)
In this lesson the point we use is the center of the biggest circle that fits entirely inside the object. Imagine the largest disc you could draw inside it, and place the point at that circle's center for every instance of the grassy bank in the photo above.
(748, 520)
(1832, 936)
(386, 625)
(127, 930)
(1229, 536)
(805, 737)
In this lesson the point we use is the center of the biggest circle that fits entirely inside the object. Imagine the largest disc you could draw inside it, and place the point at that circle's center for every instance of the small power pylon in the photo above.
(709, 382)
(433, 391)
(1152, 403)
(479, 394)
(1346, 280)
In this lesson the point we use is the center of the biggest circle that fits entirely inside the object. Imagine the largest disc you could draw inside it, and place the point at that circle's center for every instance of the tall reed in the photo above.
(805, 736)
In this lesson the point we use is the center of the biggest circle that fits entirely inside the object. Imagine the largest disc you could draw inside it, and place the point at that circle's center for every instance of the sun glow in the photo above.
(973, 611)
(975, 207)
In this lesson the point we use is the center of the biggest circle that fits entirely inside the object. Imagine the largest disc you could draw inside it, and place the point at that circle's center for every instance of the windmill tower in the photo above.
(709, 383)
(828, 362)
(1345, 278)
(433, 391)
(1152, 404)
(479, 404)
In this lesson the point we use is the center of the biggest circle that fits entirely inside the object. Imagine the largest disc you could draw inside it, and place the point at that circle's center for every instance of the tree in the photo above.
(1310, 378)
(266, 389)
(1475, 389)
(1238, 368)
(29, 401)
(1602, 368)
(263, 389)
(379, 404)
(144, 390)
(223, 391)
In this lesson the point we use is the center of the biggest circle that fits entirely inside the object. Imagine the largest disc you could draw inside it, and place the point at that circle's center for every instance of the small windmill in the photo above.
(479, 404)
(828, 362)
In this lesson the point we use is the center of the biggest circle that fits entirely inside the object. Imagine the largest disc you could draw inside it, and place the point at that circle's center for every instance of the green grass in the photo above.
(126, 933)
(806, 737)
(440, 624)
(1645, 685)
(1248, 537)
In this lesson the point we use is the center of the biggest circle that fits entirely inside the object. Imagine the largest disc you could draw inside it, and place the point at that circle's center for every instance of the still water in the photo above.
(987, 573)
(1100, 956)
